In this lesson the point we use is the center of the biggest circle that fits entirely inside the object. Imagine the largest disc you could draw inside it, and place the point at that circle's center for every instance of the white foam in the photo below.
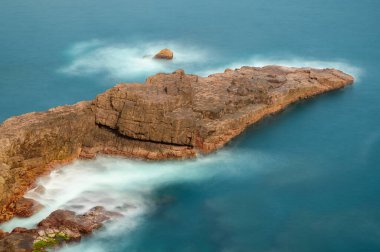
(290, 61)
(127, 62)
(133, 61)
(118, 184)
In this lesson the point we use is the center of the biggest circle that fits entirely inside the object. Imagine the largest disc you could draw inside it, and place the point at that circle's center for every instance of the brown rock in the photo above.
(17, 242)
(61, 226)
(84, 224)
(169, 116)
(3, 233)
(165, 54)
(31, 144)
(19, 230)
(60, 218)
(26, 207)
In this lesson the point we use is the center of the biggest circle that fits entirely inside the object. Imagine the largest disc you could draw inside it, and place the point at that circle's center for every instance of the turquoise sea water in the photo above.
(306, 179)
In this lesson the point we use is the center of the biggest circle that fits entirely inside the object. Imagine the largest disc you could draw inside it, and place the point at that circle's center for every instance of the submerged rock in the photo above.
(26, 207)
(86, 223)
(170, 116)
(165, 54)
(59, 227)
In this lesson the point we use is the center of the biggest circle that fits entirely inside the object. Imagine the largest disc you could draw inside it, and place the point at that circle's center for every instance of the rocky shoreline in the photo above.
(170, 116)
(61, 226)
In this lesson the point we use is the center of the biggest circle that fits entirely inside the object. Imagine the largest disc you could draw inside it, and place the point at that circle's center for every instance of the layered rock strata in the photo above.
(170, 116)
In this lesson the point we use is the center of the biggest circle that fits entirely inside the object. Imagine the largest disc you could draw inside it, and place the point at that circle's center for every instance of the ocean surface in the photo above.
(306, 179)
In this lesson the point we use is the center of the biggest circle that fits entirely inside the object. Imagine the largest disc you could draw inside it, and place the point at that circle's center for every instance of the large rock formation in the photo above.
(170, 116)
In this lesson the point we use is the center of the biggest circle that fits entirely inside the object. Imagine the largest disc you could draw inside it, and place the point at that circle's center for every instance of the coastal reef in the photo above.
(170, 116)
(61, 226)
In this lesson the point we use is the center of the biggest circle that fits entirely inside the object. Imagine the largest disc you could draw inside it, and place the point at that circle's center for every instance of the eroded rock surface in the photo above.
(204, 113)
(170, 116)
(17, 242)
(80, 224)
(33, 143)
(26, 207)
(59, 227)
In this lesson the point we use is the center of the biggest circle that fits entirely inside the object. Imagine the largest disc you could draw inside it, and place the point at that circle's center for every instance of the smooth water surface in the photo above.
(306, 179)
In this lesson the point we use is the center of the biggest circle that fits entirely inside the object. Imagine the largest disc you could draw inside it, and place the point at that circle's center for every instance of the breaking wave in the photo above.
(120, 185)
(260, 61)
(134, 62)
(130, 61)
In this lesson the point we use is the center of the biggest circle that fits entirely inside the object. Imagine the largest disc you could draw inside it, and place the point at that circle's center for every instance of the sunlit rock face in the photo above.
(164, 54)
(169, 116)
(205, 113)
(35, 142)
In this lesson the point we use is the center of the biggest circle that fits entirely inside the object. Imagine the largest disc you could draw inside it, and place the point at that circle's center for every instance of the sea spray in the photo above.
(134, 61)
(290, 61)
(128, 62)
(118, 184)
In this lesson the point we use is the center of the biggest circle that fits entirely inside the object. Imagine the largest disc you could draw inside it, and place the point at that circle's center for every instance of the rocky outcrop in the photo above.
(205, 113)
(26, 207)
(165, 54)
(169, 116)
(17, 242)
(31, 144)
(59, 227)
(76, 224)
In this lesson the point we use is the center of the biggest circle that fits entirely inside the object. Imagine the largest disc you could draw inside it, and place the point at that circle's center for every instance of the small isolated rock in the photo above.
(166, 54)
(39, 189)
(84, 224)
(26, 207)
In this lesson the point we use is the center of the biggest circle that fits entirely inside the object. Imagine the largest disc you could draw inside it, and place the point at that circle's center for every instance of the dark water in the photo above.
(306, 179)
